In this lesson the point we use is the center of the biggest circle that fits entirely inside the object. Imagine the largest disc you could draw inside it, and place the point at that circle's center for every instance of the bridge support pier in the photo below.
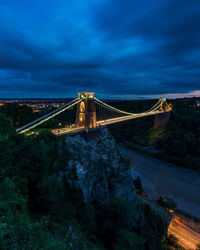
(161, 119)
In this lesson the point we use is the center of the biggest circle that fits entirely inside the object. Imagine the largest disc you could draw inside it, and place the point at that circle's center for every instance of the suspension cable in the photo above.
(155, 107)
(48, 116)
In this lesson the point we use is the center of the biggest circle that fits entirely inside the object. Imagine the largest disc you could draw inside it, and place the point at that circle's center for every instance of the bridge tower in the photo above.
(86, 111)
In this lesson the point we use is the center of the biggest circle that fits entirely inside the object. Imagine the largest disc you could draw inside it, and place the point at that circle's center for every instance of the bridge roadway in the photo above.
(105, 122)
(127, 117)
(70, 131)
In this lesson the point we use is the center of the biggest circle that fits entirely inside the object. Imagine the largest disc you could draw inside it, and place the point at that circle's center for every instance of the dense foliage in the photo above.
(167, 203)
(177, 142)
(39, 209)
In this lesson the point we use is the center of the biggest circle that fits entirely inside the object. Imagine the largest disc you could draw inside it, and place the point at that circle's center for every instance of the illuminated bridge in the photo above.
(92, 113)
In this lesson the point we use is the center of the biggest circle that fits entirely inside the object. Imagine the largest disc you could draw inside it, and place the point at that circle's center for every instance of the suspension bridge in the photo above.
(92, 113)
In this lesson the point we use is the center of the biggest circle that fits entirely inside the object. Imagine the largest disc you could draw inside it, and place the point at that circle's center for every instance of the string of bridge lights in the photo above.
(48, 116)
(153, 109)
(74, 102)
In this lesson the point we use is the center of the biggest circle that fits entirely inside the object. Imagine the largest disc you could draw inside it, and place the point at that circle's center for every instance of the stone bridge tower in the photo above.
(86, 111)
(163, 118)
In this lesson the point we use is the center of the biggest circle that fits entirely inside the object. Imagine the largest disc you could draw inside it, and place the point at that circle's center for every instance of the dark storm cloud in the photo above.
(112, 47)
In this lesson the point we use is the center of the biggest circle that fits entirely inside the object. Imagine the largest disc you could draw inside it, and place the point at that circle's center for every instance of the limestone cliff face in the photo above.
(97, 167)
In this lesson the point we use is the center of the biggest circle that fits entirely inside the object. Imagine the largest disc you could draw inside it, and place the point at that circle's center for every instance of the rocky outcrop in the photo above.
(97, 167)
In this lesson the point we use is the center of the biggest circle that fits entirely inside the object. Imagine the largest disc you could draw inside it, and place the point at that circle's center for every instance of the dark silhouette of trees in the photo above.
(138, 185)
(177, 142)
(39, 209)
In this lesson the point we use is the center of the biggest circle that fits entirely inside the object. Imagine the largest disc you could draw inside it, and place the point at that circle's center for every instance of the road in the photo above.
(128, 117)
(63, 131)
(187, 237)
(163, 179)
(102, 123)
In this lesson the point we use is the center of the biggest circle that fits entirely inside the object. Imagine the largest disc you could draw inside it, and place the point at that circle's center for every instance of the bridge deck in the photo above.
(88, 118)
(63, 131)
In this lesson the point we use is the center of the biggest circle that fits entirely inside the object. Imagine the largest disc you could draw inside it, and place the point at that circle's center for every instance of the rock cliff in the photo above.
(98, 168)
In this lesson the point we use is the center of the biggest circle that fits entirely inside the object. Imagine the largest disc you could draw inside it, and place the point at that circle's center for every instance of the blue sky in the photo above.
(127, 49)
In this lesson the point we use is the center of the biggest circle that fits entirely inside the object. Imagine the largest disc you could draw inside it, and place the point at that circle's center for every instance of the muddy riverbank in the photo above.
(164, 179)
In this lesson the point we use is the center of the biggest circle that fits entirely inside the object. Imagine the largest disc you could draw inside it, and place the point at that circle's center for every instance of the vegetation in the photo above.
(138, 185)
(172, 243)
(167, 203)
(129, 241)
(40, 209)
(20, 114)
(198, 247)
(176, 142)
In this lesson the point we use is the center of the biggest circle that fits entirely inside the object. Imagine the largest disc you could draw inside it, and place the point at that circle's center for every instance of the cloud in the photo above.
(130, 47)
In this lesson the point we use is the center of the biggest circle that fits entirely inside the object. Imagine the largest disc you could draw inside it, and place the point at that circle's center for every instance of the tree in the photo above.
(198, 247)
(129, 241)
(86, 217)
(167, 203)
(151, 226)
(24, 160)
(50, 198)
(138, 185)
(110, 219)
(6, 127)
(17, 231)
(20, 114)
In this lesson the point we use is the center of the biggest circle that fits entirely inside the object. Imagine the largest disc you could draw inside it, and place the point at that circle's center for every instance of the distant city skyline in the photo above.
(127, 49)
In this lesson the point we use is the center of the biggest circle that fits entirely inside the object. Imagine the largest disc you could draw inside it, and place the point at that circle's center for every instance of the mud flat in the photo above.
(164, 179)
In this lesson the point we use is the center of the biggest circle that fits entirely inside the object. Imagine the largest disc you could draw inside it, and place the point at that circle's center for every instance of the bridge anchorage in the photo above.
(92, 113)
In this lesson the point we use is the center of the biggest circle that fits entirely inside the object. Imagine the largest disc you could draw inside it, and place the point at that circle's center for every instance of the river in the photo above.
(164, 179)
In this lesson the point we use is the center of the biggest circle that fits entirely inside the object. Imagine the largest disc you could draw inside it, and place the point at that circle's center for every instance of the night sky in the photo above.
(117, 48)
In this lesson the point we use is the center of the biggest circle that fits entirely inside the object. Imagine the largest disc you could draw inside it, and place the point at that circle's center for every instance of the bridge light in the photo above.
(60, 124)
